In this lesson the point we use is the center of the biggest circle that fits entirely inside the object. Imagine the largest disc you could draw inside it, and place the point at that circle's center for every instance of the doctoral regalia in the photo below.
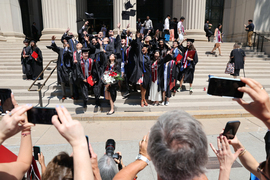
(37, 65)
(27, 62)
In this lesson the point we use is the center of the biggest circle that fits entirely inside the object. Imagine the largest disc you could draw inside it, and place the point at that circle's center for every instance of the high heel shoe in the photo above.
(142, 103)
(108, 113)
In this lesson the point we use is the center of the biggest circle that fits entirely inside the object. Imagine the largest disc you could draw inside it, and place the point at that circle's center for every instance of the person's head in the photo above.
(148, 39)
(60, 167)
(190, 46)
(107, 167)
(130, 34)
(219, 26)
(94, 41)
(147, 17)
(100, 34)
(175, 19)
(175, 44)
(178, 146)
(139, 20)
(207, 21)
(249, 21)
(123, 41)
(84, 32)
(106, 40)
(168, 16)
(182, 18)
(85, 53)
(112, 58)
(157, 54)
(79, 46)
(236, 46)
(161, 42)
(145, 49)
(33, 44)
(26, 42)
(111, 33)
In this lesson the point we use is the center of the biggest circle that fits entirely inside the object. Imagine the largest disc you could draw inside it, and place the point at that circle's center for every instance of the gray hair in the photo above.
(235, 46)
(107, 167)
(178, 146)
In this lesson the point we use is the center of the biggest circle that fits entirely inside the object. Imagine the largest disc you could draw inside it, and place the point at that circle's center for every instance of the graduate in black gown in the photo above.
(110, 89)
(64, 66)
(37, 63)
(142, 70)
(187, 68)
(84, 69)
(72, 41)
(26, 61)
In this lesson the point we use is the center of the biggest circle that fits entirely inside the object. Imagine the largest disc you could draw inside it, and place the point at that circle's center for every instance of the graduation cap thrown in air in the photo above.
(49, 47)
(128, 5)
(191, 40)
(125, 15)
(89, 15)
(132, 12)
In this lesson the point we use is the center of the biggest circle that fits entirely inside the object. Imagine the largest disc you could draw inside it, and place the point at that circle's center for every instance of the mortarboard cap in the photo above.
(89, 15)
(68, 38)
(33, 41)
(85, 49)
(125, 15)
(132, 12)
(191, 40)
(26, 41)
(128, 5)
(49, 47)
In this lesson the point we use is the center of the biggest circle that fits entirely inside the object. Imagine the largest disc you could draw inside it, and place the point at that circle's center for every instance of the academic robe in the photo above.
(37, 65)
(72, 43)
(64, 63)
(98, 71)
(170, 79)
(108, 48)
(76, 56)
(27, 62)
(142, 65)
(80, 76)
(188, 72)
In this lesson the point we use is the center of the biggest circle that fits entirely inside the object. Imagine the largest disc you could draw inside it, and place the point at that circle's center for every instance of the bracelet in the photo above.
(26, 133)
(143, 158)
(242, 153)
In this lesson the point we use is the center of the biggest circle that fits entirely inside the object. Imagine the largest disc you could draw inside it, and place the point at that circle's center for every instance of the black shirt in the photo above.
(250, 27)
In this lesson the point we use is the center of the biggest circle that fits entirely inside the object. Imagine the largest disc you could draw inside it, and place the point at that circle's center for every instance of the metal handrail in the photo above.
(54, 61)
(259, 39)
(41, 86)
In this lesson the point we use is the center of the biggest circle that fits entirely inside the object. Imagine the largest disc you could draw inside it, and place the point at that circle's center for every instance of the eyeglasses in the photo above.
(260, 169)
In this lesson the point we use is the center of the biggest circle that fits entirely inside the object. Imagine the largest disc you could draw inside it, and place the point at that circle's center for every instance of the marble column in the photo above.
(11, 21)
(118, 7)
(81, 9)
(194, 12)
(57, 17)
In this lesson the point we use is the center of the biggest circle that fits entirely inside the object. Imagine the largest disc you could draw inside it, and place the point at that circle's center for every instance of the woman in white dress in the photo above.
(217, 39)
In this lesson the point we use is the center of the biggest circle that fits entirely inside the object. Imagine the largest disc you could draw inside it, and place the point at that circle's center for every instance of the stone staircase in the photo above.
(198, 104)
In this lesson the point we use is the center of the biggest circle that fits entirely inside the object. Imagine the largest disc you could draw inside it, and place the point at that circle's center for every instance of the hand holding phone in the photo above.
(36, 152)
(38, 115)
(231, 129)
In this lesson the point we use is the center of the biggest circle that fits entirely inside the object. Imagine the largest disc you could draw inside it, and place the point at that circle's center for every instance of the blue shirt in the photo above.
(250, 27)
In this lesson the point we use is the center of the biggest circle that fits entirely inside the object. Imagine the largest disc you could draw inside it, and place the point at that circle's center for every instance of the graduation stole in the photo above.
(172, 84)
(109, 68)
(154, 68)
(24, 51)
(91, 62)
(185, 62)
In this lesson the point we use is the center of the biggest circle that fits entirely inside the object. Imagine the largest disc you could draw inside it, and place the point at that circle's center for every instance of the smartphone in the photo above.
(38, 115)
(36, 151)
(225, 87)
(231, 129)
(88, 146)
(5, 99)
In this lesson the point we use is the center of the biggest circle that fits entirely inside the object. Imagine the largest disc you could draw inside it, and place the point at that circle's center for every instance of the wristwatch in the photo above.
(143, 158)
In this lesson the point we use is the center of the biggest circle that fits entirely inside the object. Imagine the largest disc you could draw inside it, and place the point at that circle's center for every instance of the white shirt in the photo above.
(148, 24)
(180, 27)
(167, 24)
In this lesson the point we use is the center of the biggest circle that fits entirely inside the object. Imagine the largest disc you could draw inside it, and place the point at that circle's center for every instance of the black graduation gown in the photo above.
(188, 72)
(37, 65)
(98, 70)
(108, 48)
(27, 62)
(113, 87)
(74, 68)
(238, 58)
(141, 64)
(121, 53)
(171, 71)
(64, 59)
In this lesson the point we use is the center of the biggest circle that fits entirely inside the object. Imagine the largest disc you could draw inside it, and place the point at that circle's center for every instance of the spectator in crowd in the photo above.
(148, 25)
(181, 29)
(104, 30)
(177, 146)
(107, 167)
(249, 29)
(238, 58)
(167, 28)
(217, 39)
(139, 25)
(207, 29)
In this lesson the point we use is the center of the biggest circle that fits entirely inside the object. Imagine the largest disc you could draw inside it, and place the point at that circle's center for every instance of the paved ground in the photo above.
(127, 134)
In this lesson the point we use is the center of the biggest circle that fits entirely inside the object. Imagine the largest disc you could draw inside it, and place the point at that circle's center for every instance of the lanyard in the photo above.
(62, 57)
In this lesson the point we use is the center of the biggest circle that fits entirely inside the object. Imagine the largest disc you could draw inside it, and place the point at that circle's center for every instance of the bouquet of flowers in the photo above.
(111, 77)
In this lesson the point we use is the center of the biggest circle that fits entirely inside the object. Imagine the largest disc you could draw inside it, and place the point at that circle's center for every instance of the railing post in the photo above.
(40, 95)
(262, 44)
(258, 43)
(254, 40)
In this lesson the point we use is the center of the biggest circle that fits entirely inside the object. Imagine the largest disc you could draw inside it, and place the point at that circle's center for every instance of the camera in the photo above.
(110, 147)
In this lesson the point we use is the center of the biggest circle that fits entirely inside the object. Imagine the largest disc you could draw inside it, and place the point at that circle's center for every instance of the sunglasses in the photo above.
(260, 169)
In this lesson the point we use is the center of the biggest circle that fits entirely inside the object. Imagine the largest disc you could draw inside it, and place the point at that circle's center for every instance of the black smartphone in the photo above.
(36, 151)
(225, 87)
(231, 129)
(88, 146)
(5, 100)
(38, 115)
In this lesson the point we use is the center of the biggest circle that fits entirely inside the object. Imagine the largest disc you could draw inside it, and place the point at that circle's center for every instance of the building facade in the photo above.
(53, 17)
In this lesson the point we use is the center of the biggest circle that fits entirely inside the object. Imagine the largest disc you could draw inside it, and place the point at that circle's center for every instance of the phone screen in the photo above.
(36, 151)
(231, 129)
(225, 87)
(5, 100)
(88, 145)
(38, 115)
